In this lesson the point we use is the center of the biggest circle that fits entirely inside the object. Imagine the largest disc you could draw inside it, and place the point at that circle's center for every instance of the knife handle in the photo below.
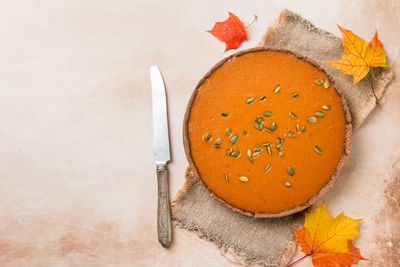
(163, 212)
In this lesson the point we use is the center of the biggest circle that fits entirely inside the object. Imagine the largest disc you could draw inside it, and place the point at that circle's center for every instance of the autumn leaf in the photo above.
(231, 31)
(358, 55)
(328, 240)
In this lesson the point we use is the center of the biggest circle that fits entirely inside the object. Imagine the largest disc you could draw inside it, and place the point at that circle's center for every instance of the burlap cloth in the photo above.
(271, 242)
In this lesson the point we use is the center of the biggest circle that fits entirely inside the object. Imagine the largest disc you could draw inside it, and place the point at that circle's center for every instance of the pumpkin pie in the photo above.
(267, 132)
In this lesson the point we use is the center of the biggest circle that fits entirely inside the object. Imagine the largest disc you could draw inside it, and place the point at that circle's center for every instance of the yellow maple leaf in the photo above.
(328, 240)
(358, 55)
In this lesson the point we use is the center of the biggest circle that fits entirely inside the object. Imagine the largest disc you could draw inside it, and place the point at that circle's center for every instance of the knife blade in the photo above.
(160, 117)
(161, 154)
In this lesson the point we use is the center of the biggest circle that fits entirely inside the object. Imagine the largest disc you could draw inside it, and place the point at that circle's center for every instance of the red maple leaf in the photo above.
(231, 31)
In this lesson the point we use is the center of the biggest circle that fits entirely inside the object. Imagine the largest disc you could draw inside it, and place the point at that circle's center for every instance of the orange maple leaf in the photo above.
(328, 240)
(358, 55)
(231, 31)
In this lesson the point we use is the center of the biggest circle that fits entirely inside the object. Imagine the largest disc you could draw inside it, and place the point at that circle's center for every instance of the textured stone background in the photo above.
(78, 184)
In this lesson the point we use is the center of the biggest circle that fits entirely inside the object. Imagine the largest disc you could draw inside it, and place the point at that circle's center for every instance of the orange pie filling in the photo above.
(266, 131)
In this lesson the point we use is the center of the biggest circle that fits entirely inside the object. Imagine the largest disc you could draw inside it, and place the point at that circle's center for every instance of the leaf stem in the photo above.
(372, 87)
(255, 18)
(296, 261)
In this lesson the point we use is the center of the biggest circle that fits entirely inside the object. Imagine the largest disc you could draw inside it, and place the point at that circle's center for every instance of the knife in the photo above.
(162, 155)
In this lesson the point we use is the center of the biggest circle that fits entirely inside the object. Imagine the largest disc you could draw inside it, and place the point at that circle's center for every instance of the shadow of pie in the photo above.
(267, 132)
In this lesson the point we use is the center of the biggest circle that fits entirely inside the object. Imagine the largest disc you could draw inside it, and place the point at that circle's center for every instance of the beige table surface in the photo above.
(78, 184)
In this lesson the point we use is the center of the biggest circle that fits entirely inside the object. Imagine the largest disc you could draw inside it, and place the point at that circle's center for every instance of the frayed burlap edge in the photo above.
(287, 15)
